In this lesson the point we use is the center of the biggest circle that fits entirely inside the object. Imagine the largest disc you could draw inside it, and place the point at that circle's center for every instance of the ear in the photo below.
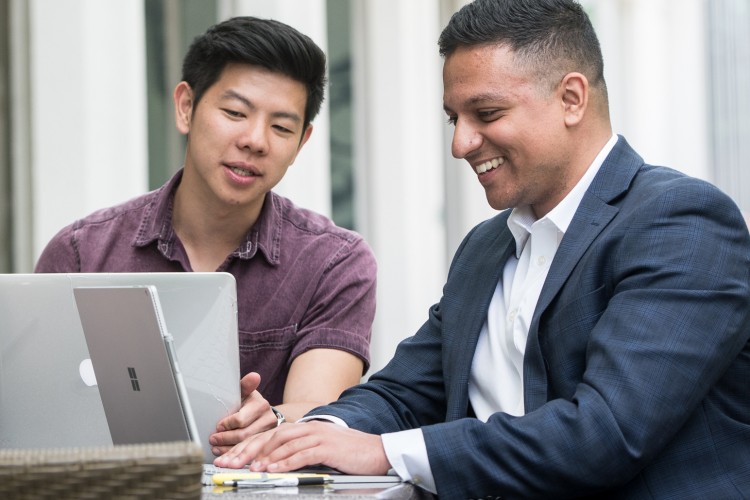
(183, 107)
(575, 97)
(305, 136)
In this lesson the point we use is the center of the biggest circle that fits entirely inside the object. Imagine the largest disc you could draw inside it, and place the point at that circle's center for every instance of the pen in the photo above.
(270, 483)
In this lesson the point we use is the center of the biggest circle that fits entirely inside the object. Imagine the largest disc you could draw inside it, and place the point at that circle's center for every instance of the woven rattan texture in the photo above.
(153, 471)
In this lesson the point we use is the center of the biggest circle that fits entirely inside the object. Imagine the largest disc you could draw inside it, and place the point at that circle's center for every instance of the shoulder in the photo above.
(308, 221)
(116, 213)
(304, 225)
(663, 189)
(63, 251)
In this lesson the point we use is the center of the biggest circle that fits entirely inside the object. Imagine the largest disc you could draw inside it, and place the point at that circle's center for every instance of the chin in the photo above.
(498, 204)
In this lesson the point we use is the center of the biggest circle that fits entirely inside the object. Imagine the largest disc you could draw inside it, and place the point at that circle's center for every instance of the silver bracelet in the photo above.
(280, 419)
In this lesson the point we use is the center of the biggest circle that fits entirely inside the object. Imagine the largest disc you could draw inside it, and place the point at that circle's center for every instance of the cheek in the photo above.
(284, 151)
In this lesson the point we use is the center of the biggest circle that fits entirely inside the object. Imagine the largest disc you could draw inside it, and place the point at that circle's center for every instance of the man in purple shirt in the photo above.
(306, 288)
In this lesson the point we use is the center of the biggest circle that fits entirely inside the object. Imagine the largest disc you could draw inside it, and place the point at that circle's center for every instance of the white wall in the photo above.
(87, 123)
(399, 160)
(655, 67)
(88, 108)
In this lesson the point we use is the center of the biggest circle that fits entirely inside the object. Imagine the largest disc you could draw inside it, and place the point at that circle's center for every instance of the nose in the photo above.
(466, 139)
(254, 137)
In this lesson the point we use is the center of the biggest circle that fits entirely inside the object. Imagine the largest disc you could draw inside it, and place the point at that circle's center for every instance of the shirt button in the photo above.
(512, 315)
(542, 260)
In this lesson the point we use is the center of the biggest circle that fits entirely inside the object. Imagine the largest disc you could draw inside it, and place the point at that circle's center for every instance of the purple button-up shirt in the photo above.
(302, 282)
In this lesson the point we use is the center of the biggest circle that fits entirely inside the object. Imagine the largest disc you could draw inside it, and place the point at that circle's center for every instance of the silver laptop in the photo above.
(48, 392)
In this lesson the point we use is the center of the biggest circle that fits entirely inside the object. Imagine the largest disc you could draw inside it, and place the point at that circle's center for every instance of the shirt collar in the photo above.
(266, 234)
(522, 218)
(156, 226)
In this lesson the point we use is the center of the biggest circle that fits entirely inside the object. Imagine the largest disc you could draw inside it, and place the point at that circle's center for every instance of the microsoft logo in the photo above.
(133, 379)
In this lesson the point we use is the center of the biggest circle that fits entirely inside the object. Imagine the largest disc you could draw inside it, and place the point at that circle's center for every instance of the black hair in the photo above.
(550, 36)
(267, 43)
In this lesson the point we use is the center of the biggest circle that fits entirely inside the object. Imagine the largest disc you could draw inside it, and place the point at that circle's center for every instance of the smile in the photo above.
(489, 165)
(241, 172)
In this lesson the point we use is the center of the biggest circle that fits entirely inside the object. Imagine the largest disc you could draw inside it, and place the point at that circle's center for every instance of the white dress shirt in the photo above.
(496, 383)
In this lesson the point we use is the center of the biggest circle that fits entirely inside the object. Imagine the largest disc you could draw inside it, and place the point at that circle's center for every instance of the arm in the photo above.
(59, 256)
(669, 321)
(316, 377)
(293, 446)
(372, 406)
(634, 346)
(331, 350)
(407, 392)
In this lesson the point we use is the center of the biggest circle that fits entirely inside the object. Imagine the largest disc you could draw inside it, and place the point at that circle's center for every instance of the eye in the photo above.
(488, 114)
(283, 129)
(233, 113)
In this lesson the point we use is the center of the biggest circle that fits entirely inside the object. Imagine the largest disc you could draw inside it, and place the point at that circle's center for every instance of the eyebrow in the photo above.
(481, 98)
(233, 95)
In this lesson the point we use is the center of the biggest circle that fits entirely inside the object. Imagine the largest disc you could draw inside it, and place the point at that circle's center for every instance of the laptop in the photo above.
(48, 392)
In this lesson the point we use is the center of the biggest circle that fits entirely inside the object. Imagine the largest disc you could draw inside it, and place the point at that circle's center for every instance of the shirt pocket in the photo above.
(267, 352)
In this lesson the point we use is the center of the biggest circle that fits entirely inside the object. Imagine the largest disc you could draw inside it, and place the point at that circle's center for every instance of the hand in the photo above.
(254, 416)
(293, 446)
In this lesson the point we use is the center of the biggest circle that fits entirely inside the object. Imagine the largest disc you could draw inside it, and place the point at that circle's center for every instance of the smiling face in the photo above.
(242, 136)
(512, 128)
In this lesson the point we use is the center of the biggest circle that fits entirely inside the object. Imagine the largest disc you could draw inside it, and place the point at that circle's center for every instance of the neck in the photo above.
(208, 232)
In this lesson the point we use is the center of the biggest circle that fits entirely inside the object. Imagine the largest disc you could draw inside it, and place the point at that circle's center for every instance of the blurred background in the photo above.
(86, 118)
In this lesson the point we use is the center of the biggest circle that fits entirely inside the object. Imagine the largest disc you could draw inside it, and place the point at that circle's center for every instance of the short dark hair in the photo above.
(267, 43)
(551, 36)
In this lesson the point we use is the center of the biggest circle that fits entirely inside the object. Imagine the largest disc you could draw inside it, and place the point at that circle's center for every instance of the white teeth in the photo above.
(241, 172)
(489, 165)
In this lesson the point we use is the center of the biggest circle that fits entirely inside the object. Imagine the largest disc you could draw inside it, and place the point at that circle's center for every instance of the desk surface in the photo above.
(400, 491)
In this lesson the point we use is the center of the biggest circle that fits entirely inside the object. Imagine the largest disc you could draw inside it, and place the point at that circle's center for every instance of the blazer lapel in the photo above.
(480, 270)
(591, 217)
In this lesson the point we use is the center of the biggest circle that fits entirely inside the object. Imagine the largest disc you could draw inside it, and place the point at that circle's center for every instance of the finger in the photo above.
(313, 443)
(249, 383)
(236, 456)
(254, 409)
(301, 459)
(230, 437)
(244, 452)
(291, 445)
(219, 451)
(222, 441)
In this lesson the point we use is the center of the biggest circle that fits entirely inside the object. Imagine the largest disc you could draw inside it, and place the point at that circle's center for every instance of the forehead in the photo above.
(473, 74)
(259, 85)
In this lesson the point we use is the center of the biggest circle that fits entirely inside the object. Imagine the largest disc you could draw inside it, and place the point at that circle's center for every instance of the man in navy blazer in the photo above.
(590, 342)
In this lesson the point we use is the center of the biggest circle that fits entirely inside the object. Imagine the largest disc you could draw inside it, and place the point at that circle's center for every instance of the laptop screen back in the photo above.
(136, 370)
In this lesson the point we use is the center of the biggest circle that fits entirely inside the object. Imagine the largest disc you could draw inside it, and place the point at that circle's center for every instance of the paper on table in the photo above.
(220, 478)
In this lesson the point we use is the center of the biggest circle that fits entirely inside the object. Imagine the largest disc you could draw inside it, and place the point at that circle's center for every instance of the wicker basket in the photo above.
(153, 471)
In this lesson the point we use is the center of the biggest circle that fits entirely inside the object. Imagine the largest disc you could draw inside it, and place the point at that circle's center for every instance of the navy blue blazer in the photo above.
(637, 364)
